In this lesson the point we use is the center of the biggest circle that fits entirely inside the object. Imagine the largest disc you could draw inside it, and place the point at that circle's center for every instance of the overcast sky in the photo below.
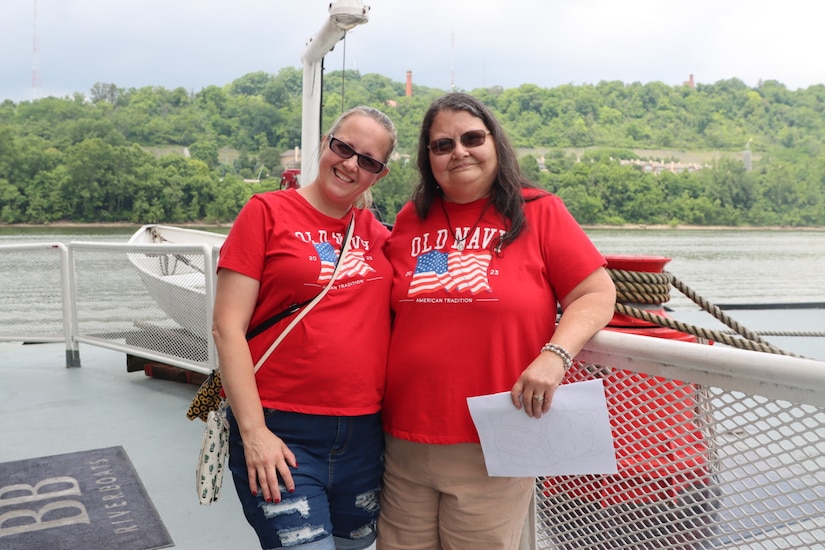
(465, 43)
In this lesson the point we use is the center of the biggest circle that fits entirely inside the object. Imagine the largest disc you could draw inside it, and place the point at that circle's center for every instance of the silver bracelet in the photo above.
(566, 358)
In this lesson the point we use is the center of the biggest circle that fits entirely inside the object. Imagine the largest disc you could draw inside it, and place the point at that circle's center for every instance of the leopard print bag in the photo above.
(207, 398)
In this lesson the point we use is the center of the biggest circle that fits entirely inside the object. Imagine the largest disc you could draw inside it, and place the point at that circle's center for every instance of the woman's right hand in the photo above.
(267, 457)
(267, 463)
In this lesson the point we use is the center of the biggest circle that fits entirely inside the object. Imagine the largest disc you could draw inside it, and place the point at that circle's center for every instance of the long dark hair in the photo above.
(506, 191)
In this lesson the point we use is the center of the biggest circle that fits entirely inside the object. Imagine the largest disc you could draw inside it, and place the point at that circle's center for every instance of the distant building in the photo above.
(656, 167)
(291, 158)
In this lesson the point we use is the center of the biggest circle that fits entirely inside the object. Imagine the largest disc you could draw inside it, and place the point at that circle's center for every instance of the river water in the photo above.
(768, 267)
(773, 268)
(724, 266)
(732, 266)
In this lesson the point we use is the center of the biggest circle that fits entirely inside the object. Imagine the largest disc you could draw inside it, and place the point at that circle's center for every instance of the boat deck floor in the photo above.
(48, 409)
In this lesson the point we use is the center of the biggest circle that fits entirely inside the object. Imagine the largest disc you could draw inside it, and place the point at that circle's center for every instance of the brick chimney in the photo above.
(409, 83)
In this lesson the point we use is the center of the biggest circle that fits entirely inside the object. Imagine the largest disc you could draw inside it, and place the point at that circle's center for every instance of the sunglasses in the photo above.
(345, 152)
(444, 146)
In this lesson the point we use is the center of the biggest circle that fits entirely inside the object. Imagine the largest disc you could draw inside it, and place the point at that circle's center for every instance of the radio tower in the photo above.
(35, 57)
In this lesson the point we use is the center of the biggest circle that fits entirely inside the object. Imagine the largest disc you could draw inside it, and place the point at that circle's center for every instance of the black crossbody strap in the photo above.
(253, 332)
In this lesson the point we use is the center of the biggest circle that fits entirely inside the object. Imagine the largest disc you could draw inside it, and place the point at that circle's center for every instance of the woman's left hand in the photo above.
(586, 310)
(538, 382)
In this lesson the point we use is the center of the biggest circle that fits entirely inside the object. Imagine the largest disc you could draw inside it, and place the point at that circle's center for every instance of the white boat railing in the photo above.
(717, 447)
(93, 293)
(36, 296)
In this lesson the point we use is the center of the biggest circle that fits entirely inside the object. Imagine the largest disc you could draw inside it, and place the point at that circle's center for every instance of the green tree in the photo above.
(89, 159)
(394, 190)
(206, 152)
(12, 203)
(530, 168)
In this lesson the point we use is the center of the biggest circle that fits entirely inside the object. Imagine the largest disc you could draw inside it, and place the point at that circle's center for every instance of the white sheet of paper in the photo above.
(573, 438)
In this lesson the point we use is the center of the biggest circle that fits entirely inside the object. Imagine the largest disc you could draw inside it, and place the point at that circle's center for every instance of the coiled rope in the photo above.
(635, 287)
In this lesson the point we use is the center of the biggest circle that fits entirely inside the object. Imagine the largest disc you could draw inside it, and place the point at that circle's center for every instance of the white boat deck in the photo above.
(48, 409)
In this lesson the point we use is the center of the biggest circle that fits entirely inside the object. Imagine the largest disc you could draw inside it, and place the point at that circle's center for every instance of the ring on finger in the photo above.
(538, 398)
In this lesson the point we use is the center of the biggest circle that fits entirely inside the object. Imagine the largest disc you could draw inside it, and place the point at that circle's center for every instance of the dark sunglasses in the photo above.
(345, 152)
(444, 146)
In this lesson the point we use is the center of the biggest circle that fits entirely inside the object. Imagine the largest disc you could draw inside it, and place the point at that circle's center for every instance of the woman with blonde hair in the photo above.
(306, 442)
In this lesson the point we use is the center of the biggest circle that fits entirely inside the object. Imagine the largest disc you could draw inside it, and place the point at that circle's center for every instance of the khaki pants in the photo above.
(440, 497)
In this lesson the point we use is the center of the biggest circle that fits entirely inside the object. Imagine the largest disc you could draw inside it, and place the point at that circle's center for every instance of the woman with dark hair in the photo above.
(305, 435)
(481, 260)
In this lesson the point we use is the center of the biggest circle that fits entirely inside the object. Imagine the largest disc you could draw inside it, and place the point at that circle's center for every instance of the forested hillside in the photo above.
(116, 154)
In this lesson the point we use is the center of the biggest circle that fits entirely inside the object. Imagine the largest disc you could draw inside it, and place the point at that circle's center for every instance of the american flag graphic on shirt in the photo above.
(451, 271)
(354, 264)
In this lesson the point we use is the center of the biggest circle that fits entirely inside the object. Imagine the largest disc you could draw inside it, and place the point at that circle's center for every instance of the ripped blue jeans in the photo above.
(335, 503)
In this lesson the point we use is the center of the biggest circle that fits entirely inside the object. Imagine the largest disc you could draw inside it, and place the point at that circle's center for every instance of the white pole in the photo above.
(344, 15)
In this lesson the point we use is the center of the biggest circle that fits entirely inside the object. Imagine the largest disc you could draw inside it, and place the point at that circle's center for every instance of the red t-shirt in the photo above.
(334, 361)
(468, 322)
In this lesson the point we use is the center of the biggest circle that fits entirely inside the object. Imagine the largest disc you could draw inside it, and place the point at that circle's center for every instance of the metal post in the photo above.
(344, 15)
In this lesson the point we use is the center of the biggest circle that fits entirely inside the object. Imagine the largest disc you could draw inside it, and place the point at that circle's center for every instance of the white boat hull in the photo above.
(176, 281)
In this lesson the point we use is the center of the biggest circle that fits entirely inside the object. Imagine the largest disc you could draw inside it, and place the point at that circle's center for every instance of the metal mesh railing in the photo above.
(152, 300)
(31, 292)
(699, 467)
